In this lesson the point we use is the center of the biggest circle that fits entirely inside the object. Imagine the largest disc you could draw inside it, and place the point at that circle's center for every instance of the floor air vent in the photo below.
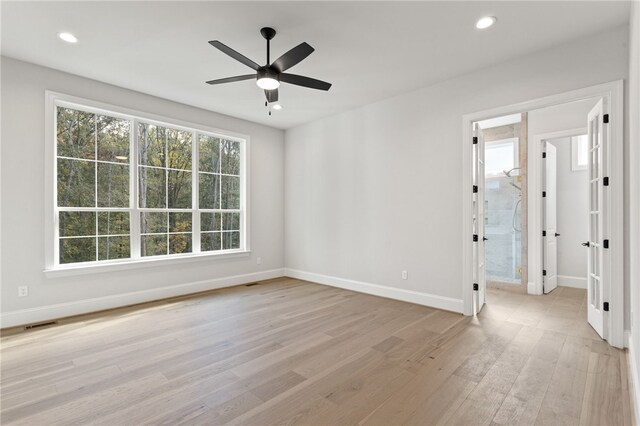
(40, 324)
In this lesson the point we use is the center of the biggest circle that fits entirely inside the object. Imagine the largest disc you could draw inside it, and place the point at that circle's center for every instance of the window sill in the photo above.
(95, 268)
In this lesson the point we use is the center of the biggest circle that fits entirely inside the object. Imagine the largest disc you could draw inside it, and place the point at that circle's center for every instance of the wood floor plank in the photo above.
(476, 366)
(66, 413)
(562, 404)
(436, 367)
(291, 406)
(523, 402)
(486, 398)
(602, 402)
(441, 406)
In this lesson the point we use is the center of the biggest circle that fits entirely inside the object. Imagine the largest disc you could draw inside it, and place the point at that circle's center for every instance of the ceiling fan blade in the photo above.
(235, 55)
(272, 95)
(232, 79)
(292, 57)
(303, 81)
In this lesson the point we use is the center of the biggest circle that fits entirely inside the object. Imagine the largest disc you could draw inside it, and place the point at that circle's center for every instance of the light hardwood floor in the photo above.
(291, 352)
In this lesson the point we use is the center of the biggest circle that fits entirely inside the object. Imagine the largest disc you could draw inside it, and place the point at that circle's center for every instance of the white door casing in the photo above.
(550, 278)
(595, 276)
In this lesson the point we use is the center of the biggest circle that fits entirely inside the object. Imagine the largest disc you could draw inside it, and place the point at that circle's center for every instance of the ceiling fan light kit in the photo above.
(267, 80)
(268, 77)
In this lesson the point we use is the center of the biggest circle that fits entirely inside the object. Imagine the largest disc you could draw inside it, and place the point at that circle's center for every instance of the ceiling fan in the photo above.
(269, 76)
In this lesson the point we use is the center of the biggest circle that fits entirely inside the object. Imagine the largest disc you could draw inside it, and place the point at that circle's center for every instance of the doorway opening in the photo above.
(565, 212)
(532, 230)
(505, 204)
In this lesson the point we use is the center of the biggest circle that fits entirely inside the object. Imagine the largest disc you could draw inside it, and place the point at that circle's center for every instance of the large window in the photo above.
(129, 188)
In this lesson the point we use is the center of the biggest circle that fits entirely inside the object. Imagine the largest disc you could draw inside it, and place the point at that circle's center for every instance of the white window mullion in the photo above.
(220, 194)
(243, 196)
(195, 194)
(166, 175)
(56, 236)
(166, 188)
(54, 188)
(134, 221)
(95, 176)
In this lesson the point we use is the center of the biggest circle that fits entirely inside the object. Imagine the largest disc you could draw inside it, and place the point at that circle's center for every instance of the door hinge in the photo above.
(475, 237)
(544, 194)
(605, 118)
(605, 181)
(475, 286)
(544, 155)
(544, 233)
(605, 306)
(605, 244)
(544, 272)
(475, 140)
(475, 189)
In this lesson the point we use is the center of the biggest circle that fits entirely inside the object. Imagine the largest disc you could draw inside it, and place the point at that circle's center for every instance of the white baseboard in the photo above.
(569, 281)
(61, 310)
(633, 375)
(440, 302)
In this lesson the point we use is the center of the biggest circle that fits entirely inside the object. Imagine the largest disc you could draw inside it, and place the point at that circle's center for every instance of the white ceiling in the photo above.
(368, 50)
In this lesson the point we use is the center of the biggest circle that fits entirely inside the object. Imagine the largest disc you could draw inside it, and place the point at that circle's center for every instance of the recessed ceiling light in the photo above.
(485, 22)
(68, 37)
(277, 106)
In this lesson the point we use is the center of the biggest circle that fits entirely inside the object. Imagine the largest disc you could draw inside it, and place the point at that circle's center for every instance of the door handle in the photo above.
(484, 238)
(557, 235)
(587, 244)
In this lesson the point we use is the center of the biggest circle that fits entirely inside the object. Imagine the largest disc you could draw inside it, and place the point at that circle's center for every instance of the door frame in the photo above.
(613, 96)
(536, 206)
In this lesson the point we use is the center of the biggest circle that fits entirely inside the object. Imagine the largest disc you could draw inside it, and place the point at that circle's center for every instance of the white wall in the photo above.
(376, 190)
(634, 198)
(572, 216)
(23, 96)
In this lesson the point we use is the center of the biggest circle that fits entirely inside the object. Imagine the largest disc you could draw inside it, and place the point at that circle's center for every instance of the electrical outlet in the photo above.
(405, 275)
(259, 260)
(23, 291)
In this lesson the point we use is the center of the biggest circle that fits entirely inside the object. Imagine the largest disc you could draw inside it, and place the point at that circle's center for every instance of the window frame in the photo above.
(575, 164)
(53, 267)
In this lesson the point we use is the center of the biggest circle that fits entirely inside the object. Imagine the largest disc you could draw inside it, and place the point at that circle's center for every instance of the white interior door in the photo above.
(595, 293)
(478, 222)
(550, 275)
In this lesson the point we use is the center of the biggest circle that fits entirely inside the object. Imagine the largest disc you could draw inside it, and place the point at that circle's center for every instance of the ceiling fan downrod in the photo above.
(268, 33)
